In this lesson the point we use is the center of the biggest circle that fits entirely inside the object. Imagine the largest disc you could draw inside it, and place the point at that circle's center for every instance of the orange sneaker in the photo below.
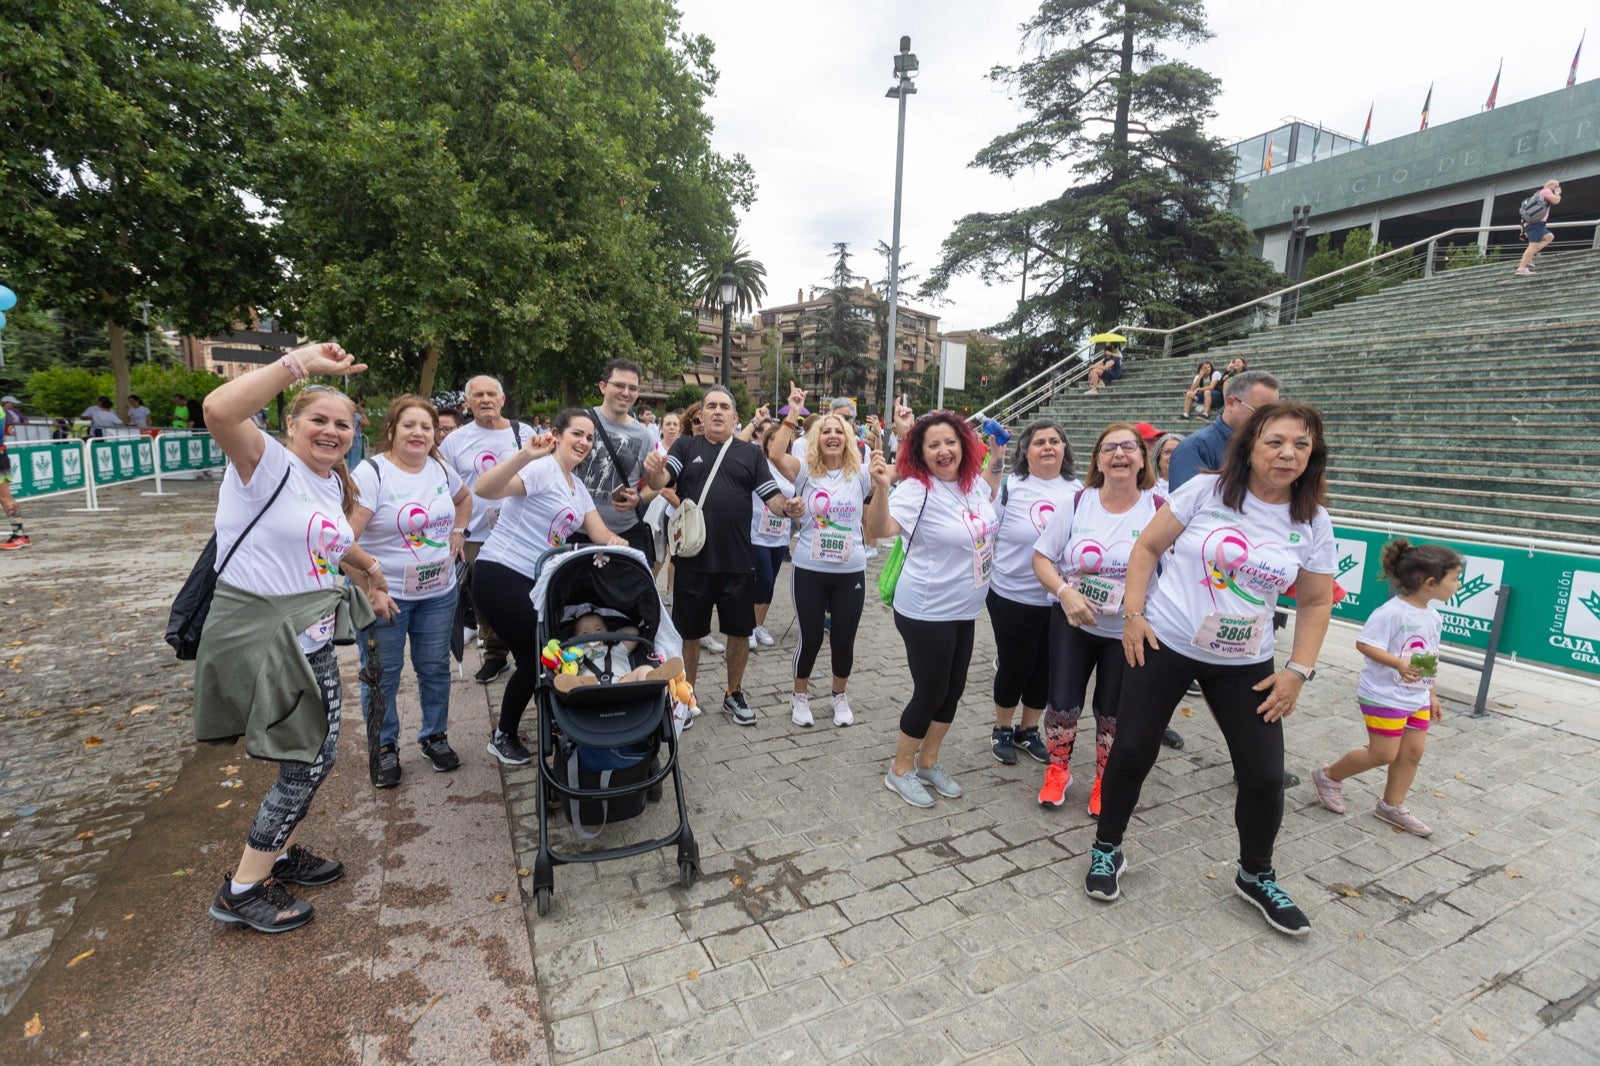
(1056, 780)
(1094, 797)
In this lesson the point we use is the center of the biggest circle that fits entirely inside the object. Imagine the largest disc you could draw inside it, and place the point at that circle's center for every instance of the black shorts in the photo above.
(695, 593)
(638, 537)
(5, 464)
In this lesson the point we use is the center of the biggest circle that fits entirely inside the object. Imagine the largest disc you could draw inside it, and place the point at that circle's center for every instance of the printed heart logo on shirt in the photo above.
(484, 462)
(412, 522)
(561, 526)
(1088, 556)
(1041, 513)
(817, 503)
(322, 544)
(1226, 552)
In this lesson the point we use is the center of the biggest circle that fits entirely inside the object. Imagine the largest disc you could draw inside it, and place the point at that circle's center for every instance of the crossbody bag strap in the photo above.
(706, 491)
(921, 509)
(616, 462)
(270, 501)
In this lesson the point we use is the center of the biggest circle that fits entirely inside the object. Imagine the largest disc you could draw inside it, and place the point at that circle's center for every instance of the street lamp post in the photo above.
(727, 292)
(905, 69)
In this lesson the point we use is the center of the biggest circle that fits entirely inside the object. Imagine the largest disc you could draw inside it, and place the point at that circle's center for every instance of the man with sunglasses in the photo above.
(613, 469)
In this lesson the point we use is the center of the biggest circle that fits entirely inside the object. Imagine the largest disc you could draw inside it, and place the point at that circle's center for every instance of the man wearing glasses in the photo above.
(613, 469)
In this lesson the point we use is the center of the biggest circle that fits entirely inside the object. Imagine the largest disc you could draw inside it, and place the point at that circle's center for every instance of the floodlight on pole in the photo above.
(905, 69)
(727, 292)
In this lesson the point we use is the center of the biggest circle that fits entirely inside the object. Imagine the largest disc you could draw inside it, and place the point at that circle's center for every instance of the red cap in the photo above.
(1147, 431)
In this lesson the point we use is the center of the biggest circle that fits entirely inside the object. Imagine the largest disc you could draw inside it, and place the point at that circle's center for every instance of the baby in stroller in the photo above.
(607, 662)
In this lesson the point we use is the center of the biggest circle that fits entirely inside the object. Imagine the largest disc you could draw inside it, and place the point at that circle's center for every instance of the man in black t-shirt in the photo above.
(721, 575)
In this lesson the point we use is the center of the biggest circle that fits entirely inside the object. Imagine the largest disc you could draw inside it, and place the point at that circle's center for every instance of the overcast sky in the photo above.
(802, 96)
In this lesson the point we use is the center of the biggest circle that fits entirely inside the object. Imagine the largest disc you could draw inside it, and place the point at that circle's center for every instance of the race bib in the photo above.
(830, 545)
(493, 514)
(982, 562)
(319, 632)
(772, 525)
(1103, 593)
(424, 579)
(1233, 636)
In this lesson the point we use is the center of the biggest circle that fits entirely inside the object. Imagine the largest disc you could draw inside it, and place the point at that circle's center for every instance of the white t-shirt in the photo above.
(298, 543)
(1402, 630)
(531, 525)
(1090, 548)
(768, 530)
(1029, 505)
(1216, 599)
(949, 550)
(139, 416)
(409, 531)
(830, 531)
(472, 450)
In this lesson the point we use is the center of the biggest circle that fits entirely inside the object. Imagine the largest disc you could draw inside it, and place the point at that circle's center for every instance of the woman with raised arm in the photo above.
(544, 505)
(942, 509)
(266, 668)
(413, 518)
(1039, 487)
(1241, 537)
(830, 558)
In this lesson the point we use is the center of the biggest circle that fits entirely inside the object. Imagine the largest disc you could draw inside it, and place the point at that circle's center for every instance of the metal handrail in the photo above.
(1021, 397)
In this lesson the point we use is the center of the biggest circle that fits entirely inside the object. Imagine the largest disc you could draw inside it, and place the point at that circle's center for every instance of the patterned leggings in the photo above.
(290, 796)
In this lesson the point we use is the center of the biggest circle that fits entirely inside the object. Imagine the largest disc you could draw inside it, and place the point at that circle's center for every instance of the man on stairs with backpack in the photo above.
(1535, 212)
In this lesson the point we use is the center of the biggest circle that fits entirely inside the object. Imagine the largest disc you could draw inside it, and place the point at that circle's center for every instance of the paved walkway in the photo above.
(834, 923)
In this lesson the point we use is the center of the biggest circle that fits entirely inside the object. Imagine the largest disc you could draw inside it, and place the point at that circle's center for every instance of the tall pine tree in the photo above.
(1143, 235)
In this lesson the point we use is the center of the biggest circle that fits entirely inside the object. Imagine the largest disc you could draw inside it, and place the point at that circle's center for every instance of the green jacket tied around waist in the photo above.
(251, 677)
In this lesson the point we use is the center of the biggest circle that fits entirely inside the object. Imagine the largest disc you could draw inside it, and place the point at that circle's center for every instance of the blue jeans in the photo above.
(428, 624)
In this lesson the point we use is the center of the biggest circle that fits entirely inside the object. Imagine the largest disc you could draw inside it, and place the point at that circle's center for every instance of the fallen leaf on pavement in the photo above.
(230, 769)
(33, 1027)
(1472, 832)
(694, 975)
(152, 784)
(87, 834)
(497, 897)
(522, 871)
(1479, 1033)
(1513, 873)
(223, 804)
(143, 708)
(93, 742)
(127, 917)
(79, 958)
(1187, 712)
(738, 882)
(1212, 876)
(180, 873)
(1349, 893)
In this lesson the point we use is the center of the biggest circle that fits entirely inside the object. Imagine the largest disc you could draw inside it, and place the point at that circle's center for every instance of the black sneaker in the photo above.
(265, 906)
(1031, 742)
(734, 703)
(439, 752)
(1172, 739)
(1000, 742)
(508, 749)
(1194, 689)
(304, 867)
(1273, 902)
(1106, 863)
(386, 768)
(492, 668)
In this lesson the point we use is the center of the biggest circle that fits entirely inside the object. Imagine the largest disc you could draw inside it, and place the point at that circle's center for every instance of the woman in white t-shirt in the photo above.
(769, 533)
(1161, 450)
(1082, 560)
(266, 667)
(413, 518)
(942, 508)
(1206, 378)
(1240, 538)
(662, 507)
(830, 560)
(1040, 486)
(545, 504)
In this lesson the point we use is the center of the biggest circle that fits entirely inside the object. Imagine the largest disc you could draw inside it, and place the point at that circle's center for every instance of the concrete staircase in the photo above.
(1469, 400)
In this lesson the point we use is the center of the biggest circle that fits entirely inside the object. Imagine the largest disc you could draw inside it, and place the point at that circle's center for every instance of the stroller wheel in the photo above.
(541, 901)
(686, 874)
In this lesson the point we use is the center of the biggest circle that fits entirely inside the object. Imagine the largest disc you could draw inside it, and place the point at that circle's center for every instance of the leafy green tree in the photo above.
(733, 259)
(127, 133)
(1140, 237)
(1356, 247)
(844, 329)
(496, 186)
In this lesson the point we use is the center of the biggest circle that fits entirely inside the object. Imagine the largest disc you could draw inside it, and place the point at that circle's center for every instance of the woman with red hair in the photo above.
(942, 510)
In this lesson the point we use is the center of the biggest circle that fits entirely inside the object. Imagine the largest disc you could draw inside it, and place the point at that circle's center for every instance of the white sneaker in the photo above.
(842, 714)
(754, 643)
(712, 644)
(800, 710)
(761, 633)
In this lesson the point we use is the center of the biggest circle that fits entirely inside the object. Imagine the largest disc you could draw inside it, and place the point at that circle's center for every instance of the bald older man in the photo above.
(473, 450)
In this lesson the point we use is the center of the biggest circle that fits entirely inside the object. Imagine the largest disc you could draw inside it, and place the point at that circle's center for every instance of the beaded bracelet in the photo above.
(292, 365)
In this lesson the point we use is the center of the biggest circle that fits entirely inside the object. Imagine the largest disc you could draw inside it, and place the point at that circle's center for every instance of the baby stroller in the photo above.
(634, 717)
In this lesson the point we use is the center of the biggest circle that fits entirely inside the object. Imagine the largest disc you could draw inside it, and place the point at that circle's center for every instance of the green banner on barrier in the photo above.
(181, 451)
(1552, 615)
(38, 469)
(125, 459)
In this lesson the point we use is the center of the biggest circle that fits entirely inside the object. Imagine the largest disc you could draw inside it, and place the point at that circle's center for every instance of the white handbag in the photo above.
(686, 530)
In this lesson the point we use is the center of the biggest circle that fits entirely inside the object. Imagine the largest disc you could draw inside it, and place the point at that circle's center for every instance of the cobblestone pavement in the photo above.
(94, 709)
(837, 924)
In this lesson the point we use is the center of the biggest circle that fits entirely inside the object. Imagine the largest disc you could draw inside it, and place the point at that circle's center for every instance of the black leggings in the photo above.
(820, 592)
(503, 596)
(1074, 655)
(1150, 693)
(938, 654)
(1021, 642)
(289, 798)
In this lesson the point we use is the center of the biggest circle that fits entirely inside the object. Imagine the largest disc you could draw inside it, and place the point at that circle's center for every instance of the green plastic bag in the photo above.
(890, 576)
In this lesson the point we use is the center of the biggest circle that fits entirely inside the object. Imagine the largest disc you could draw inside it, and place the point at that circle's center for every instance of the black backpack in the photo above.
(1534, 208)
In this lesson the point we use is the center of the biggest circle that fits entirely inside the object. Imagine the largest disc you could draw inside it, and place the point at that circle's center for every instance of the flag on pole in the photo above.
(1494, 90)
(1425, 105)
(1316, 139)
(1572, 75)
(1266, 167)
(1368, 128)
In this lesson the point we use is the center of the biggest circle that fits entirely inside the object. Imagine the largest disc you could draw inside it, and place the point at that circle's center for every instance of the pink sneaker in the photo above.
(1330, 793)
(1403, 818)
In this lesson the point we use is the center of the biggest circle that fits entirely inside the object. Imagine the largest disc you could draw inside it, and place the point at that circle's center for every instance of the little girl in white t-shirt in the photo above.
(1396, 689)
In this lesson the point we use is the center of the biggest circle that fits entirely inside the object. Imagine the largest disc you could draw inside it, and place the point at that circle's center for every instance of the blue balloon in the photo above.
(2, 320)
(8, 299)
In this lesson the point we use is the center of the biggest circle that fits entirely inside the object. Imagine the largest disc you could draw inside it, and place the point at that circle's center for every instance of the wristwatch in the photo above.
(1304, 673)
